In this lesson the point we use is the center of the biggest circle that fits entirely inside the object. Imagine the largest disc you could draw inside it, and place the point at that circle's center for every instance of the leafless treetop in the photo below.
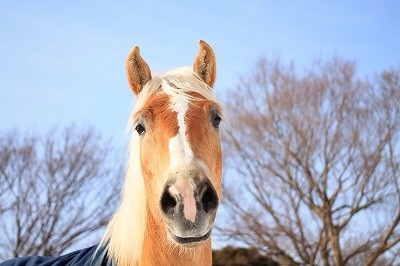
(317, 159)
(54, 189)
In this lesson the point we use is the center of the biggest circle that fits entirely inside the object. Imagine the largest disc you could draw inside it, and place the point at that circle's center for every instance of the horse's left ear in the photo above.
(204, 64)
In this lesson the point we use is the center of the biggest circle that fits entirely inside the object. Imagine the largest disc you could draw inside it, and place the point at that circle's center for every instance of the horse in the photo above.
(173, 181)
(172, 186)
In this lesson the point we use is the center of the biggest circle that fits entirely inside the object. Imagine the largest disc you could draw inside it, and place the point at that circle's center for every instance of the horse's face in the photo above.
(180, 153)
(181, 164)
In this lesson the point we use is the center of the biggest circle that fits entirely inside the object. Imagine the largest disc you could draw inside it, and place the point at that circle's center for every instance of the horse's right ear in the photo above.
(137, 70)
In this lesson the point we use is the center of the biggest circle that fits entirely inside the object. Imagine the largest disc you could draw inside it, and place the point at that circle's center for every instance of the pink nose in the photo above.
(183, 188)
(184, 197)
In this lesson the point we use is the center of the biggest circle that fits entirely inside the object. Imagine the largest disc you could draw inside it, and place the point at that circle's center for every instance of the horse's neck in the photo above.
(157, 250)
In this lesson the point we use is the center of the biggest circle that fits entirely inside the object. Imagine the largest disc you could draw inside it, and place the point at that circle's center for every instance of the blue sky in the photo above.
(63, 61)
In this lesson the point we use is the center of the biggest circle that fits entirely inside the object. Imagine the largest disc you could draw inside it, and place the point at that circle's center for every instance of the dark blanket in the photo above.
(84, 257)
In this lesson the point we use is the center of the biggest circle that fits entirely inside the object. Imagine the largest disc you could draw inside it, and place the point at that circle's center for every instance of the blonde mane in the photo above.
(125, 232)
(178, 83)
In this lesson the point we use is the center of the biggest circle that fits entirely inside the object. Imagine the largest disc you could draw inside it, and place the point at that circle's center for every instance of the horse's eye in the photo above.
(216, 120)
(140, 129)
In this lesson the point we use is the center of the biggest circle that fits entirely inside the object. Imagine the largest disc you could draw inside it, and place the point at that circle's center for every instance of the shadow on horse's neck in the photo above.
(158, 251)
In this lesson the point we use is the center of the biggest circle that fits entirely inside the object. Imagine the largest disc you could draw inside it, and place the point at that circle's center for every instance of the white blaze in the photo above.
(179, 149)
(181, 155)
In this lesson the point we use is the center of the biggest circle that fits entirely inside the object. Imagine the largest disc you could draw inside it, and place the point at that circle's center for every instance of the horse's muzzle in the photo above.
(189, 205)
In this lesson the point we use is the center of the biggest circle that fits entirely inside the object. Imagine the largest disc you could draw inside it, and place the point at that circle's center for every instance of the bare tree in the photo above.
(54, 190)
(315, 159)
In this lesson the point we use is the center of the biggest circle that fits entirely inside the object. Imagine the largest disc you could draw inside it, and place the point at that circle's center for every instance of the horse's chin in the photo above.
(189, 241)
(186, 233)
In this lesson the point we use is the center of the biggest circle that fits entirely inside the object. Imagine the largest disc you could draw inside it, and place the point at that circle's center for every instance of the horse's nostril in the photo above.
(209, 199)
(167, 203)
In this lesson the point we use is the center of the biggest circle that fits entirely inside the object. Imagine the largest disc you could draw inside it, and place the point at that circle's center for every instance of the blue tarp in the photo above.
(84, 257)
